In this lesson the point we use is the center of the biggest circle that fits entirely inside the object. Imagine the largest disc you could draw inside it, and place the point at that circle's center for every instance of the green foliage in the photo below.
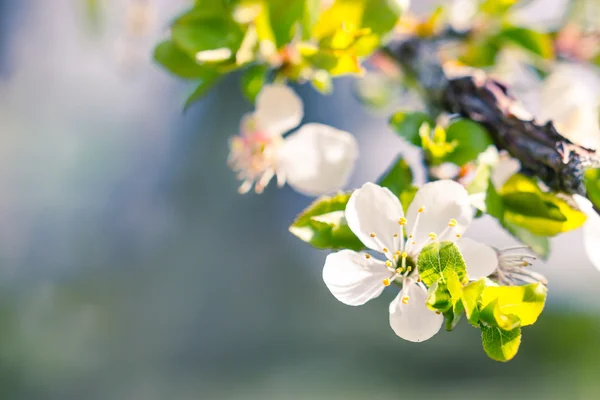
(542, 213)
(177, 62)
(202, 88)
(499, 344)
(592, 184)
(253, 80)
(470, 139)
(407, 125)
(437, 259)
(537, 43)
(323, 225)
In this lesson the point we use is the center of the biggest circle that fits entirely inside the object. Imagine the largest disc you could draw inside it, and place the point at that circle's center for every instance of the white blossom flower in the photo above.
(591, 230)
(316, 159)
(440, 211)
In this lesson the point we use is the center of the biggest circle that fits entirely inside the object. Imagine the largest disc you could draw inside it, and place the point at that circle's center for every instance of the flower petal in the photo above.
(278, 109)
(374, 209)
(591, 230)
(506, 167)
(441, 201)
(354, 279)
(413, 321)
(481, 259)
(318, 159)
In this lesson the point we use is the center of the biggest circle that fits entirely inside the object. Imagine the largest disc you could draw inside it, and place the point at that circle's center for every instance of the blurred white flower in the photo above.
(316, 159)
(569, 97)
(376, 217)
(591, 230)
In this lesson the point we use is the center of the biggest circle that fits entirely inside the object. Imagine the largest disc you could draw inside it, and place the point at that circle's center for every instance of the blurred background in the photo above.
(130, 267)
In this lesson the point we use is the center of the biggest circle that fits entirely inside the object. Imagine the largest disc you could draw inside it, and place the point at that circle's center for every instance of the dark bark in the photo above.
(541, 149)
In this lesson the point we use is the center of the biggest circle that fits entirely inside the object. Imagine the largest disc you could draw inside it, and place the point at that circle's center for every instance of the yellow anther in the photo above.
(373, 235)
(399, 270)
(405, 299)
(414, 242)
(458, 235)
(421, 209)
(408, 269)
(432, 236)
(386, 282)
(388, 263)
(404, 254)
(452, 222)
(395, 256)
(419, 279)
(525, 263)
(367, 256)
(398, 252)
(395, 235)
(438, 312)
(385, 250)
(402, 221)
(410, 236)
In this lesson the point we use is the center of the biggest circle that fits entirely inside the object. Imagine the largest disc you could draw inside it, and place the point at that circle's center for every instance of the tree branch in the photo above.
(541, 149)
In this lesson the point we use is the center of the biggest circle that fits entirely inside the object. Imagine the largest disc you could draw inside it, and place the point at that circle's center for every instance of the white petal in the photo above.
(374, 209)
(318, 159)
(414, 321)
(441, 201)
(506, 167)
(278, 109)
(480, 258)
(352, 278)
(591, 230)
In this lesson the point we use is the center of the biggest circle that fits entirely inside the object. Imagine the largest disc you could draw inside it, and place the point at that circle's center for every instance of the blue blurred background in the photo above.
(132, 269)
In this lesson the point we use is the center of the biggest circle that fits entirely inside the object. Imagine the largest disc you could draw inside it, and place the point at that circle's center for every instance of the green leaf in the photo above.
(323, 225)
(283, 17)
(398, 178)
(492, 315)
(471, 138)
(379, 16)
(500, 345)
(471, 295)
(524, 302)
(437, 259)
(177, 62)
(201, 29)
(543, 214)
(494, 203)
(407, 125)
(533, 41)
(253, 80)
(592, 184)
(202, 88)
(438, 297)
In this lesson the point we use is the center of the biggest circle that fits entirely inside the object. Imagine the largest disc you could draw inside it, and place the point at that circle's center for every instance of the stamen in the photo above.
(402, 221)
(458, 235)
(388, 264)
(419, 279)
(421, 209)
(452, 223)
(385, 250)
(409, 269)
(373, 235)
(438, 312)
(404, 254)
(399, 270)
(395, 235)
(386, 282)
(367, 256)
(405, 299)
(432, 236)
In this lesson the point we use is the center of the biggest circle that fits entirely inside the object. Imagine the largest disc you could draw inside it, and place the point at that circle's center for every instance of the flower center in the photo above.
(253, 155)
(402, 257)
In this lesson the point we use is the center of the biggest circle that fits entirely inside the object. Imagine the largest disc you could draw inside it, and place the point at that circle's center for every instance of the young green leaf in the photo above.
(323, 225)
(177, 62)
(398, 178)
(471, 138)
(592, 184)
(407, 125)
(536, 42)
(471, 295)
(437, 259)
(253, 80)
(500, 345)
(524, 302)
